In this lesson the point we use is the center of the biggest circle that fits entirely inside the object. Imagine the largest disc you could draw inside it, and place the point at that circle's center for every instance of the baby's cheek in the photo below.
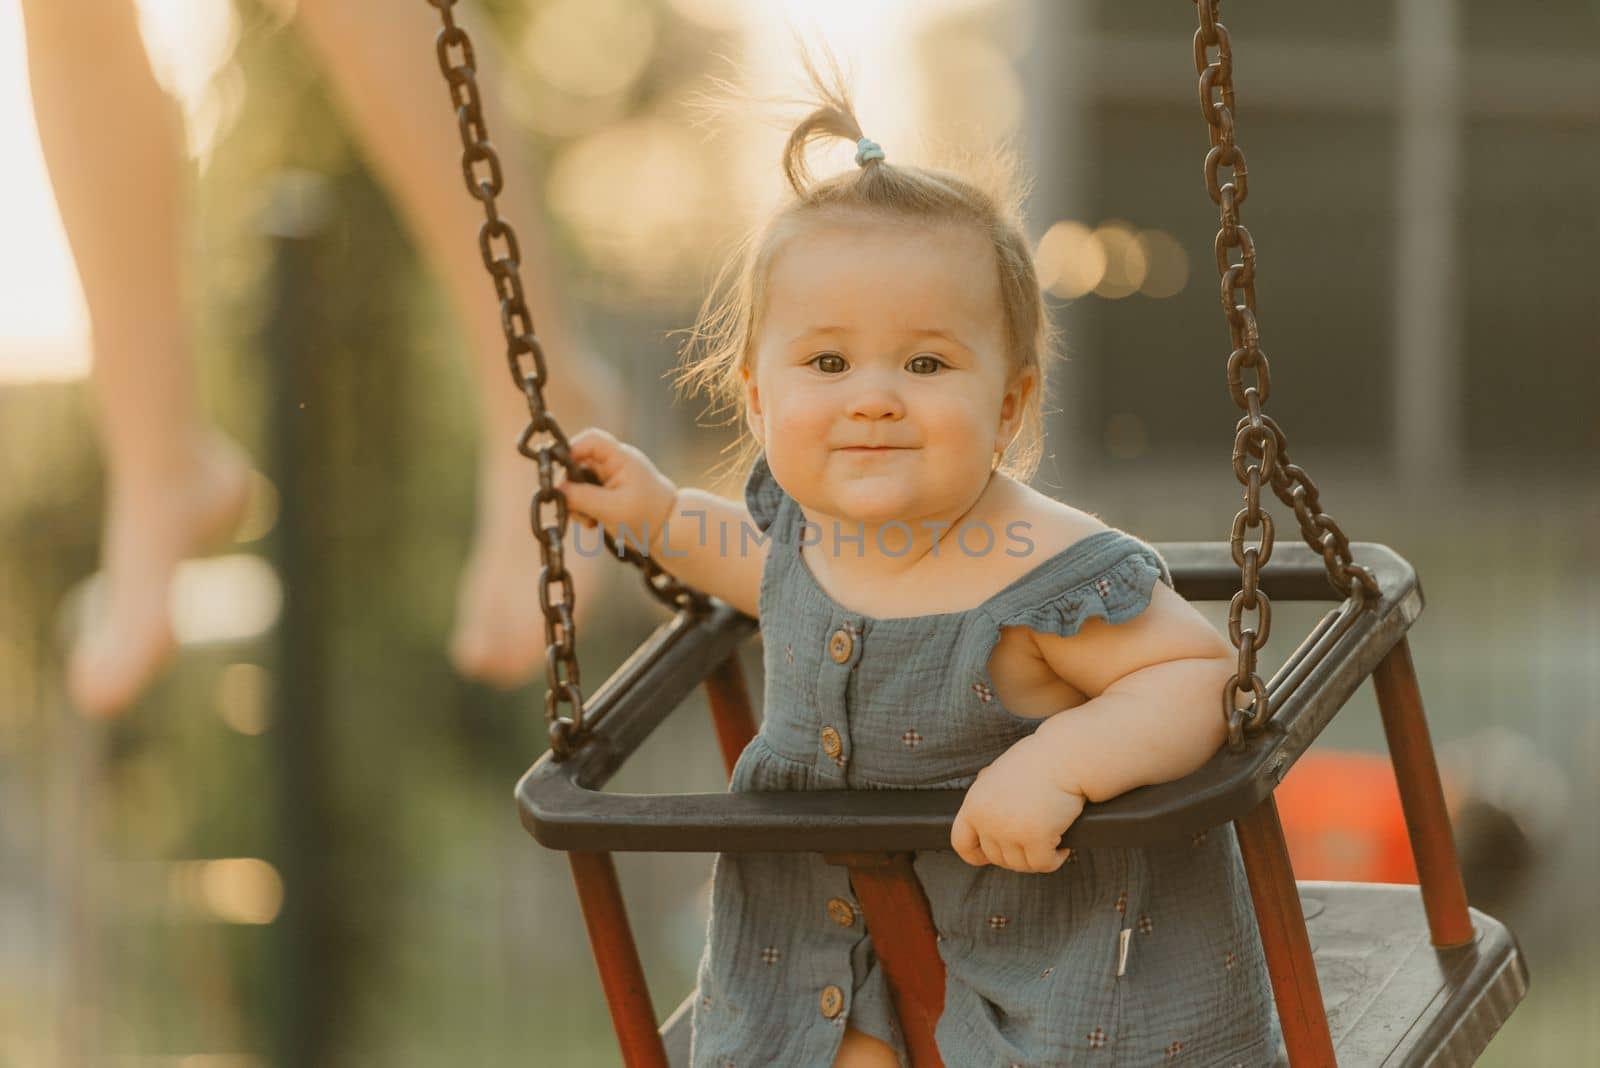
(796, 423)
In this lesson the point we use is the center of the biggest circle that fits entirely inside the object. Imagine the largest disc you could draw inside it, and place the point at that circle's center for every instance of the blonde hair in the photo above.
(721, 345)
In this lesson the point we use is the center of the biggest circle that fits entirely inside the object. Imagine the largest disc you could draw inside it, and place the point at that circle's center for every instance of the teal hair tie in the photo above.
(867, 149)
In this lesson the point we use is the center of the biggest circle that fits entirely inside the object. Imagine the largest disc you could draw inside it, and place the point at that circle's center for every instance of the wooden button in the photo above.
(839, 645)
(842, 913)
(831, 742)
(832, 1001)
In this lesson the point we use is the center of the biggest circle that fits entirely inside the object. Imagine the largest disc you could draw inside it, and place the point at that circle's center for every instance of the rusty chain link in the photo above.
(1257, 436)
(480, 166)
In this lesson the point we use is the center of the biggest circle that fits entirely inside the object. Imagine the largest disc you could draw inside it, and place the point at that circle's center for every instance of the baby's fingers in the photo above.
(598, 450)
(587, 502)
(964, 840)
(993, 850)
(1043, 856)
(1016, 857)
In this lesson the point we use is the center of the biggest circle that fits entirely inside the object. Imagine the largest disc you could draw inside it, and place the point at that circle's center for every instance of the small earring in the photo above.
(995, 466)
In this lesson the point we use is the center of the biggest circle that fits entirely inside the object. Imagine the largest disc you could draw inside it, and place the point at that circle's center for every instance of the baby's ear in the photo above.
(752, 404)
(1013, 405)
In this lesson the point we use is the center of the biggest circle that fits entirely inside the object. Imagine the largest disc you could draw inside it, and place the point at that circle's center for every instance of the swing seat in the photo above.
(1391, 996)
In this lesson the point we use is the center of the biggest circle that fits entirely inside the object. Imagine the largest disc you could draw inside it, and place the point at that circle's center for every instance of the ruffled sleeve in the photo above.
(762, 494)
(1110, 575)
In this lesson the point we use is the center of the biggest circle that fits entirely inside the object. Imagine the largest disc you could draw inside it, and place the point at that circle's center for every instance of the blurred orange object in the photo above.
(1342, 819)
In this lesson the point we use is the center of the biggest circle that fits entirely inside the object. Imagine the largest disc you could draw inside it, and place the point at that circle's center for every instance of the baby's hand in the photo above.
(1015, 813)
(632, 493)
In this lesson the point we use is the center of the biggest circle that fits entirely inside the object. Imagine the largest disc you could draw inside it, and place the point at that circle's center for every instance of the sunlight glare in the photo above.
(189, 42)
(590, 47)
(231, 598)
(873, 43)
(654, 168)
(44, 333)
(244, 698)
(241, 890)
(1125, 260)
(1168, 265)
(712, 14)
(1069, 261)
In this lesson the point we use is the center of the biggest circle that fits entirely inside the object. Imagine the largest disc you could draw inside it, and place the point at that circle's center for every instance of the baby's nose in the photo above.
(876, 400)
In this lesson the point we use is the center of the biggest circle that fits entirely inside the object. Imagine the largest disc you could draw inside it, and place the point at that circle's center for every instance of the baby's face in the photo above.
(879, 332)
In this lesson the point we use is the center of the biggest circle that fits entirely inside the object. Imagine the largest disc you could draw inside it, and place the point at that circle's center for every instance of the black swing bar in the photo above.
(563, 808)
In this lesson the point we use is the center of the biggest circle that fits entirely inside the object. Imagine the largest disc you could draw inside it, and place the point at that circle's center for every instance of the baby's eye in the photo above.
(933, 362)
(831, 369)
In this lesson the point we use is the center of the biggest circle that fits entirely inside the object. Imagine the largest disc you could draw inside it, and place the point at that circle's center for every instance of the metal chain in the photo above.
(480, 166)
(1260, 449)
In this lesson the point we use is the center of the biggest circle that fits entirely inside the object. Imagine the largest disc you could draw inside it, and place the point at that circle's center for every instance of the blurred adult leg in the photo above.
(113, 144)
(378, 56)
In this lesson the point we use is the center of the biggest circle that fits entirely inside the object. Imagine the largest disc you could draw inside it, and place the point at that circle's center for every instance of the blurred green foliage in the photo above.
(420, 924)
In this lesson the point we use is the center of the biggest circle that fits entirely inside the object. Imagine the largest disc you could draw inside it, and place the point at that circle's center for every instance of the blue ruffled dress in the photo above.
(1036, 970)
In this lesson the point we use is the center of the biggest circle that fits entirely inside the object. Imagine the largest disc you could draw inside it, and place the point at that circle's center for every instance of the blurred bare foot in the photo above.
(153, 521)
(499, 632)
(499, 635)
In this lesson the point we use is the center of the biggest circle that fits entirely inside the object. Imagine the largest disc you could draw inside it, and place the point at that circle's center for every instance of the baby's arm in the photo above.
(1152, 716)
(713, 545)
(702, 540)
(1154, 683)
